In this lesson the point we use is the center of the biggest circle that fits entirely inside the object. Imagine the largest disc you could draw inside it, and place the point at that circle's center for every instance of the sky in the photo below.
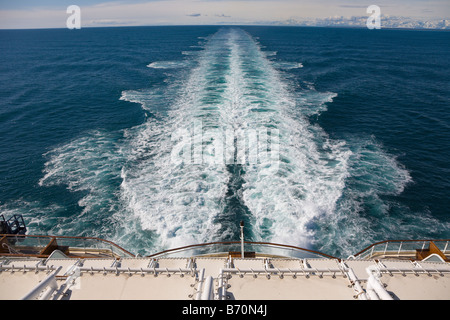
(20, 14)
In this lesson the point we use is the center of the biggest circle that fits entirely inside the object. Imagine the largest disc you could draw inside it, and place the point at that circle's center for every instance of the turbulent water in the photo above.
(159, 137)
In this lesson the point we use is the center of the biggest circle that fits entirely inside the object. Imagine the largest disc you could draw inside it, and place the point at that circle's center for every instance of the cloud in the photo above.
(109, 22)
(208, 12)
(353, 6)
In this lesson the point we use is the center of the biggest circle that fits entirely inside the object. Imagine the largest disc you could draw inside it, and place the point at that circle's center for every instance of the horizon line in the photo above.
(232, 25)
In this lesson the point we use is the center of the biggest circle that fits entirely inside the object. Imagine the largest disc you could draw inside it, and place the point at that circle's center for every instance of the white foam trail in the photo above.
(288, 65)
(178, 201)
(169, 64)
(317, 181)
(234, 87)
(311, 102)
(362, 216)
(308, 181)
(190, 53)
(91, 166)
(270, 53)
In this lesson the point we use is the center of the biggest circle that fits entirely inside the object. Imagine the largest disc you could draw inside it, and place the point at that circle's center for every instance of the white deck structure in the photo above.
(222, 277)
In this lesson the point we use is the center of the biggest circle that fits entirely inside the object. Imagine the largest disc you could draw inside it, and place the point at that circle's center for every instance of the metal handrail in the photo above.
(372, 247)
(284, 246)
(10, 249)
(114, 246)
(111, 244)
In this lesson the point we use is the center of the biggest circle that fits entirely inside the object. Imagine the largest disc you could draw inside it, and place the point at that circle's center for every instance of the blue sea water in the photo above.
(90, 119)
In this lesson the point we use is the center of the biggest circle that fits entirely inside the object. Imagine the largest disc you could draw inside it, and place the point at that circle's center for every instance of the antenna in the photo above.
(242, 239)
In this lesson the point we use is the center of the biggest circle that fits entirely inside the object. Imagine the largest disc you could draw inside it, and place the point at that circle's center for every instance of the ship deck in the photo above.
(382, 275)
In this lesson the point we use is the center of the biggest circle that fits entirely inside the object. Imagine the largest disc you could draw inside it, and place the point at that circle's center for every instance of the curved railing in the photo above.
(259, 248)
(41, 245)
(399, 248)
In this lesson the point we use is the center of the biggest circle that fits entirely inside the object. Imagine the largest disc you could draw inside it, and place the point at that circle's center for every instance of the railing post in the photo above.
(242, 239)
(399, 249)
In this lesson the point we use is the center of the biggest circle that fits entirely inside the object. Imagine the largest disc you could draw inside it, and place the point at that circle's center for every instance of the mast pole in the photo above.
(242, 239)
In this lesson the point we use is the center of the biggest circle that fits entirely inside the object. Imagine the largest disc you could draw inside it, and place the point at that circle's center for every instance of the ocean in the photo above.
(156, 137)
